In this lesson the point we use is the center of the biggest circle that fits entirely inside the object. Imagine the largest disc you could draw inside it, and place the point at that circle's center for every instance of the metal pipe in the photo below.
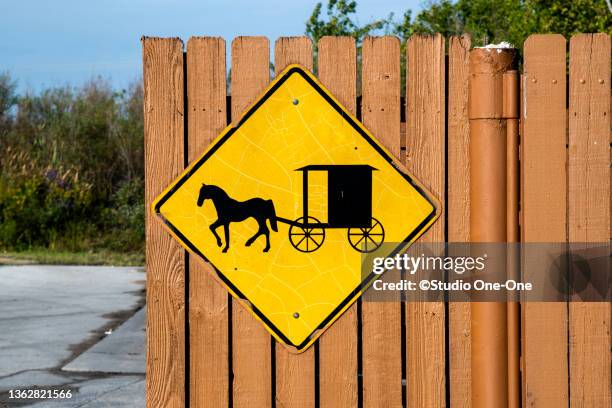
(488, 216)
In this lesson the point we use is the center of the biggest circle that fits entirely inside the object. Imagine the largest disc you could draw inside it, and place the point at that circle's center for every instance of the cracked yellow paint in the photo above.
(291, 126)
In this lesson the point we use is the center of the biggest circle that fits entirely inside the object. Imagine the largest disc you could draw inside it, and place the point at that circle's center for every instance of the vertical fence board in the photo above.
(163, 129)
(381, 322)
(292, 50)
(544, 212)
(208, 334)
(251, 343)
(295, 374)
(337, 63)
(458, 207)
(425, 157)
(589, 211)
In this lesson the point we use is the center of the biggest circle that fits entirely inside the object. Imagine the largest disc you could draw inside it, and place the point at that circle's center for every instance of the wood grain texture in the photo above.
(295, 373)
(292, 50)
(251, 343)
(337, 63)
(208, 300)
(163, 130)
(589, 211)
(544, 205)
(425, 151)
(381, 322)
(458, 210)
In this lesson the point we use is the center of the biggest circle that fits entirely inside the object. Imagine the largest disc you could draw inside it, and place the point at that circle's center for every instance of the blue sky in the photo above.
(57, 42)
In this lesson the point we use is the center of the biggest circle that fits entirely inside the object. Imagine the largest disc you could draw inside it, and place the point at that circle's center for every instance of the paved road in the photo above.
(62, 327)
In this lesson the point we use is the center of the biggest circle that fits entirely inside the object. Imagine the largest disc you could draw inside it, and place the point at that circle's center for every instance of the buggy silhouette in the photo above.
(349, 205)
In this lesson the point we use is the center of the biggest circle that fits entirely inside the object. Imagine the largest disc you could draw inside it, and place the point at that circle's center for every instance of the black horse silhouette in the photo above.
(230, 210)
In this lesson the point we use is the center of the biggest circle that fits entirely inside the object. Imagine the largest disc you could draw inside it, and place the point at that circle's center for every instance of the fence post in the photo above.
(488, 195)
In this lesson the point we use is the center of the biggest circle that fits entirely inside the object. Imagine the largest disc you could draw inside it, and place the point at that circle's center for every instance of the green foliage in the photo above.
(37, 203)
(8, 99)
(93, 129)
(72, 169)
(576, 16)
(124, 218)
(491, 21)
(488, 21)
(339, 22)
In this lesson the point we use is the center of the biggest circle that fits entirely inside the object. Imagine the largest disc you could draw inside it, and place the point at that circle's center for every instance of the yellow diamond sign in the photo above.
(285, 202)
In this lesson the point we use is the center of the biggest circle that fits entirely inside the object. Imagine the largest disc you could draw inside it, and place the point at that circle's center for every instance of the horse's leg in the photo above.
(253, 238)
(226, 229)
(266, 232)
(213, 227)
(258, 233)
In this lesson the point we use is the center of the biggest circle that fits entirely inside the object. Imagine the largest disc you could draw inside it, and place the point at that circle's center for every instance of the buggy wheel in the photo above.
(367, 239)
(306, 238)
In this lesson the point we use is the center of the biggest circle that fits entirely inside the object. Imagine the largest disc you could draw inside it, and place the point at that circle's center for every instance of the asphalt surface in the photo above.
(77, 328)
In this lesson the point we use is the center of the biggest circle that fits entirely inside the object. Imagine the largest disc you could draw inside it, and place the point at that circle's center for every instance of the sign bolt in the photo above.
(296, 315)
(295, 101)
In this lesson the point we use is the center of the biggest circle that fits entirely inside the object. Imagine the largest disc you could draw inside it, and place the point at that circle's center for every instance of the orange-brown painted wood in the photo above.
(165, 264)
(295, 373)
(543, 211)
(425, 158)
(337, 66)
(589, 211)
(208, 300)
(458, 206)
(381, 322)
(251, 343)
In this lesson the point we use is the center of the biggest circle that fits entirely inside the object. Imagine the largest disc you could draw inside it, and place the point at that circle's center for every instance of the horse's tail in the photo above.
(271, 214)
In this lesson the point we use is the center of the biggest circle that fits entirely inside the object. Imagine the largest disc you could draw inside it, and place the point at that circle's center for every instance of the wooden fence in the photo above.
(204, 350)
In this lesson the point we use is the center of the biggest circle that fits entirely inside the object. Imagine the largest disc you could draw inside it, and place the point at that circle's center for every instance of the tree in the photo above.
(492, 21)
(487, 21)
(71, 168)
(339, 22)
(8, 98)
(577, 16)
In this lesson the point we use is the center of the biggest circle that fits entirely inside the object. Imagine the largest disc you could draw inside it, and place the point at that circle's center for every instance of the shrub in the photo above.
(37, 203)
(71, 168)
(124, 218)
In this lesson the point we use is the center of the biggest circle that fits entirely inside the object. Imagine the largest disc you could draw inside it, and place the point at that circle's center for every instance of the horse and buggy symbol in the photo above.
(349, 206)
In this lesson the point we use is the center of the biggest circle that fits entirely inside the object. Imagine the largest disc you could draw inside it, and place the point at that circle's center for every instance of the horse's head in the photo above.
(205, 192)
